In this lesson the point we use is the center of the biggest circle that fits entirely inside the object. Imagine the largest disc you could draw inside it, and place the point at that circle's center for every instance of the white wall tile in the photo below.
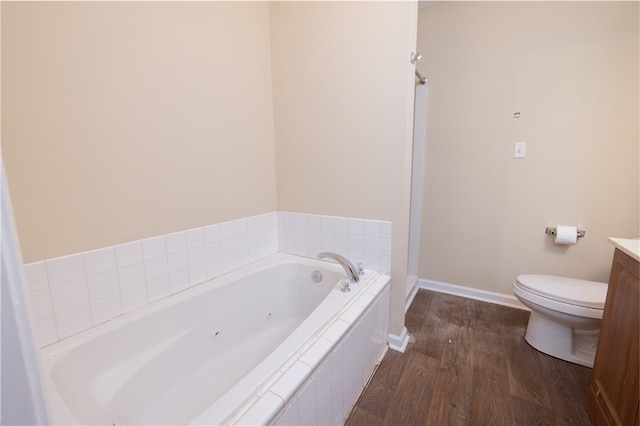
(240, 226)
(263, 220)
(356, 226)
(314, 236)
(64, 269)
(310, 419)
(385, 229)
(356, 242)
(131, 276)
(301, 235)
(324, 407)
(227, 230)
(106, 308)
(36, 276)
(102, 285)
(337, 404)
(228, 247)
(134, 298)
(179, 281)
(372, 245)
(253, 239)
(357, 239)
(307, 400)
(41, 305)
(317, 352)
(356, 256)
(326, 223)
(262, 411)
(335, 331)
(323, 377)
(385, 246)
(197, 274)
(214, 268)
(295, 376)
(73, 320)
(300, 220)
(341, 224)
(229, 262)
(253, 224)
(176, 242)
(242, 257)
(341, 241)
(287, 219)
(118, 273)
(273, 218)
(241, 241)
(155, 269)
(385, 264)
(196, 256)
(372, 228)
(45, 331)
(99, 261)
(213, 251)
(290, 417)
(195, 237)
(327, 240)
(69, 295)
(158, 289)
(153, 248)
(128, 254)
(314, 221)
(177, 262)
(289, 233)
(373, 261)
(212, 233)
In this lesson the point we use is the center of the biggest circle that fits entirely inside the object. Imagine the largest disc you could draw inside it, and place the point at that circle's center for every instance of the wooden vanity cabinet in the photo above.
(613, 392)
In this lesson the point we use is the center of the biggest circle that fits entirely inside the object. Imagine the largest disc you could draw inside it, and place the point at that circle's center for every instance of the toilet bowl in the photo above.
(565, 315)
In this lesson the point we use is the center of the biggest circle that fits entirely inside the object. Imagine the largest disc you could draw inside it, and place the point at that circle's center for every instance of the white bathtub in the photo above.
(238, 348)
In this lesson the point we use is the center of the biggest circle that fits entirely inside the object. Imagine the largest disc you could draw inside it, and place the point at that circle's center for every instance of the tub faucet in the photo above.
(352, 272)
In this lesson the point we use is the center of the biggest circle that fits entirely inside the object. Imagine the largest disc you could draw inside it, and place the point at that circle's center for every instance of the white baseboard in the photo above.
(399, 342)
(472, 293)
(411, 296)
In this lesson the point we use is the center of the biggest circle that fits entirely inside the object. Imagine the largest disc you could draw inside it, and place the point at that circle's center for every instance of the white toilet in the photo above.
(565, 315)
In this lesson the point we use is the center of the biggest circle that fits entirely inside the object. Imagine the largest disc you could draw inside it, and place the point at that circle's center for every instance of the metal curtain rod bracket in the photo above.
(421, 78)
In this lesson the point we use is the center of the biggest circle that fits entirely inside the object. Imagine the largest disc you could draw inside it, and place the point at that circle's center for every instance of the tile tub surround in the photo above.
(359, 240)
(76, 292)
(72, 293)
(321, 386)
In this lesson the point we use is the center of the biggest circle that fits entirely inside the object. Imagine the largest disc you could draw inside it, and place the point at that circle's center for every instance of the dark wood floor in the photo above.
(470, 365)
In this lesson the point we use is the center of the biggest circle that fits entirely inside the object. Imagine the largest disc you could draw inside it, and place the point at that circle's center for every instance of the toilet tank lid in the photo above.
(590, 294)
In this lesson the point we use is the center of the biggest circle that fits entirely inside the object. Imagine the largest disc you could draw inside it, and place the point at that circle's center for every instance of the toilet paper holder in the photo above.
(552, 231)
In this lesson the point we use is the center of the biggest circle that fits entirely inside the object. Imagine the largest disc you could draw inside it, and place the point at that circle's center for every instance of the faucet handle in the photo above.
(360, 268)
(344, 285)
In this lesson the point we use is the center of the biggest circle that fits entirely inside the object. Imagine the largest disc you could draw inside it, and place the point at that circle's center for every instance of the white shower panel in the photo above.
(419, 131)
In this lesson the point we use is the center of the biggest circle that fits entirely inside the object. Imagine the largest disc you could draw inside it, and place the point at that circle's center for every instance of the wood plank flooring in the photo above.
(470, 365)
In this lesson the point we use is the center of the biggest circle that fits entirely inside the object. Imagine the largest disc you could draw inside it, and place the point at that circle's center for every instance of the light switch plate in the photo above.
(520, 150)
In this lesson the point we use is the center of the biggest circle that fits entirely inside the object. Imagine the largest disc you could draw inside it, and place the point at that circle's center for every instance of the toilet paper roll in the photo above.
(566, 234)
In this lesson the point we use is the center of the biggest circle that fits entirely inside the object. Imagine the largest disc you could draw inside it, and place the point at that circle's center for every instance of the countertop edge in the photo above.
(628, 246)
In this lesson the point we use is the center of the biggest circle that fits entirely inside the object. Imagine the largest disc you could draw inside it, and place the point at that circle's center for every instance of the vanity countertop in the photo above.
(628, 245)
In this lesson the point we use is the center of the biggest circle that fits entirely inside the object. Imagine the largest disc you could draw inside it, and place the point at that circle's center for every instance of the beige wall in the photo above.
(343, 106)
(126, 120)
(339, 105)
(571, 70)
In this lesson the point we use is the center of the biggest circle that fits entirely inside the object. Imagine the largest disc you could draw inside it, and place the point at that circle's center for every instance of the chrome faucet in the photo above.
(352, 272)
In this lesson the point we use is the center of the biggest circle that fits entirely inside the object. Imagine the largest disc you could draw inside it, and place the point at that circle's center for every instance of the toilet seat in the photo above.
(587, 294)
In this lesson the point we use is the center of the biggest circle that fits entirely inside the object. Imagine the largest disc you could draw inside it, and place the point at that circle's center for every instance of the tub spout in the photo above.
(352, 272)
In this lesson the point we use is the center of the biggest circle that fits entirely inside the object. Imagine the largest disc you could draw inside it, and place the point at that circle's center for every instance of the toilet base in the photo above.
(562, 341)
